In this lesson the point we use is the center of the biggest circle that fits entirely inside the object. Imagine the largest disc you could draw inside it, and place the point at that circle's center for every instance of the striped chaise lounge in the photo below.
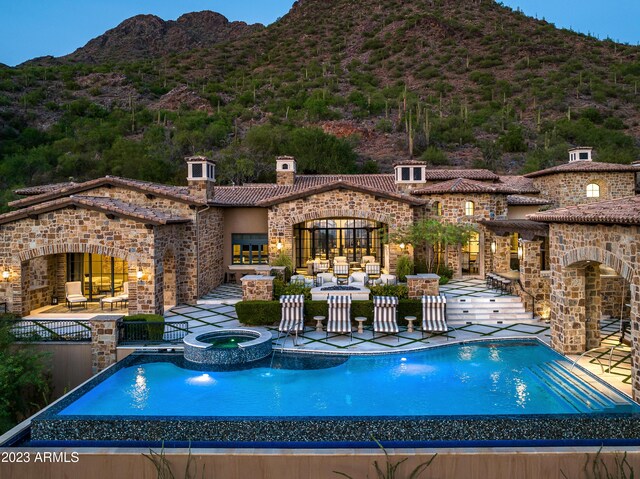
(339, 320)
(292, 316)
(384, 315)
(434, 319)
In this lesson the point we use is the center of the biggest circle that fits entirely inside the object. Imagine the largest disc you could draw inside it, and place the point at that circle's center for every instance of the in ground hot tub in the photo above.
(227, 347)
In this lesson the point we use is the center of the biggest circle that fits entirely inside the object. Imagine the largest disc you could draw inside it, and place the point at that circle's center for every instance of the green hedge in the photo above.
(154, 331)
(267, 313)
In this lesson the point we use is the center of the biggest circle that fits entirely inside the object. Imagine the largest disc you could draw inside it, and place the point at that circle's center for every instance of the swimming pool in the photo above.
(485, 390)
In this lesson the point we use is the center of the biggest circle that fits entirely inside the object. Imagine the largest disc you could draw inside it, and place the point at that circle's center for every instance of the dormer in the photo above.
(285, 170)
(201, 177)
(410, 174)
(580, 153)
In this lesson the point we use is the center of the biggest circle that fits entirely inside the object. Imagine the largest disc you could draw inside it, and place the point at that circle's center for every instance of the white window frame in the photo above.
(593, 190)
(469, 208)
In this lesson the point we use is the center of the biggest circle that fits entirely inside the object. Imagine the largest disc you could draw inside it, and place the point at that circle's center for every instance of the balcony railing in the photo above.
(143, 332)
(48, 329)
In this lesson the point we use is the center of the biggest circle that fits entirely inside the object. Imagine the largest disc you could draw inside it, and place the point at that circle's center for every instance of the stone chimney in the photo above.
(580, 153)
(201, 177)
(285, 170)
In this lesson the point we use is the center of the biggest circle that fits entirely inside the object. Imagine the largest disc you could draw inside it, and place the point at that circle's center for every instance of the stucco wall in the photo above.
(521, 212)
(242, 220)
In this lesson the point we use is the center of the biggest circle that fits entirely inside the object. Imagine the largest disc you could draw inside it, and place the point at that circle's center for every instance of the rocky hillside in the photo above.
(354, 85)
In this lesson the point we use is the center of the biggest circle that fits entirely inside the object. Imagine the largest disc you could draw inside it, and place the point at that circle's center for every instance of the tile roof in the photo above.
(464, 185)
(384, 182)
(105, 205)
(179, 193)
(584, 167)
(450, 174)
(521, 200)
(409, 163)
(38, 190)
(520, 183)
(621, 211)
(526, 228)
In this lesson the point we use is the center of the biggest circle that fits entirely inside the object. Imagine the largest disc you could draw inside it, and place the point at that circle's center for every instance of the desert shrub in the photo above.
(435, 156)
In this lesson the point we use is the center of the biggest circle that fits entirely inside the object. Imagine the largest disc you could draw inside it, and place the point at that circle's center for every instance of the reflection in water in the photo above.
(201, 380)
(140, 390)
(522, 394)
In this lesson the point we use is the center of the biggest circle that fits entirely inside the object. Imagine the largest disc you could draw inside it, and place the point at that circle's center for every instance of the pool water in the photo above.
(493, 378)
(226, 342)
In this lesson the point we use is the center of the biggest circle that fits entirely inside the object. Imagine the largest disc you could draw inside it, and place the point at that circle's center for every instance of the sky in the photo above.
(33, 28)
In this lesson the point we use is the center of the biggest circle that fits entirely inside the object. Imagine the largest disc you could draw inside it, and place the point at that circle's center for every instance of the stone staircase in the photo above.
(492, 309)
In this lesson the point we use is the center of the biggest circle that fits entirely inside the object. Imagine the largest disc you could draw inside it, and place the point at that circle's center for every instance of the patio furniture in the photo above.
(339, 320)
(360, 320)
(292, 316)
(121, 298)
(297, 279)
(410, 320)
(384, 315)
(325, 279)
(339, 259)
(323, 265)
(387, 279)
(341, 271)
(73, 294)
(434, 310)
(367, 259)
(372, 270)
(358, 279)
(319, 320)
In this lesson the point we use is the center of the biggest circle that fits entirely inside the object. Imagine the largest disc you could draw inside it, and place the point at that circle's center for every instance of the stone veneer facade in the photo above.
(569, 189)
(257, 288)
(423, 285)
(338, 203)
(104, 342)
(576, 251)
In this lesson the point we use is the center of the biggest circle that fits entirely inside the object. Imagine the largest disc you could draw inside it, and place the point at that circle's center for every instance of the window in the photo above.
(593, 190)
(249, 248)
(406, 174)
(417, 174)
(285, 166)
(196, 170)
(584, 155)
(469, 208)
(437, 208)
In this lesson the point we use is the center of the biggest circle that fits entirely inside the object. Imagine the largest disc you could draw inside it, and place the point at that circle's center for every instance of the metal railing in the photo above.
(140, 332)
(48, 329)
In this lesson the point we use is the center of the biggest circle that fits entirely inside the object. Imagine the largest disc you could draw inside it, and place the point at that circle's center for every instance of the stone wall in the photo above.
(575, 252)
(139, 198)
(257, 288)
(613, 289)
(535, 291)
(104, 342)
(567, 189)
(338, 203)
(76, 230)
(211, 255)
(423, 285)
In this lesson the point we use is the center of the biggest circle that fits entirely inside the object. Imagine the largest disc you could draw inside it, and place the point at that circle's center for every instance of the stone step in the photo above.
(490, 317)
(219, 301)
(482, 300)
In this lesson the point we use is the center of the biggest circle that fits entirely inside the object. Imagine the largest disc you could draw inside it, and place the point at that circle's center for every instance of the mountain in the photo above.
(145, 36)
(453, 82)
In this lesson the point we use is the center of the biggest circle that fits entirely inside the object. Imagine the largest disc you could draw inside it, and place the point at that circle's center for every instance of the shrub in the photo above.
(258, 313)
(435, 156)
(404, 267)
(399, 290)
(281, 288)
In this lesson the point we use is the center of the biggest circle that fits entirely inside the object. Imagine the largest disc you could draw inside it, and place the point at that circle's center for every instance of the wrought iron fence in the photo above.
(132, 332)
(48, 329)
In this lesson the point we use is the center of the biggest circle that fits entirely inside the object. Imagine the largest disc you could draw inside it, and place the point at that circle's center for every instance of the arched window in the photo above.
(593, 190)
(437, 208)
(469, 208)
(285, 166)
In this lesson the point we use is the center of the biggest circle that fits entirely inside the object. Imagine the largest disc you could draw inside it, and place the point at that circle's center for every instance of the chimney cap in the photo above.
(190, 159)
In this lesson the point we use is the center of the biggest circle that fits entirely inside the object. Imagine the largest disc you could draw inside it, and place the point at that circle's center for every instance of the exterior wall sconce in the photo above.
(402, 246)
(5, 274)
(279, 246)
(139, 274)
(520, 251)
(494, 247)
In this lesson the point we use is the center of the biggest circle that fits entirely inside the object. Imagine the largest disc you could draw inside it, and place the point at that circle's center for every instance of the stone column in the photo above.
(568, 310)
(257, 288)
(502, 256)
(592, 304)
(423, 285)
(104, 341)
(635, 341)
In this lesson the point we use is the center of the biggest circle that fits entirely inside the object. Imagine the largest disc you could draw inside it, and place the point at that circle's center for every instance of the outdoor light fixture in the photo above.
(6, 274)
(519, 249)
(493, 247)
(402, 245)
(139, 274)
(279, 245)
